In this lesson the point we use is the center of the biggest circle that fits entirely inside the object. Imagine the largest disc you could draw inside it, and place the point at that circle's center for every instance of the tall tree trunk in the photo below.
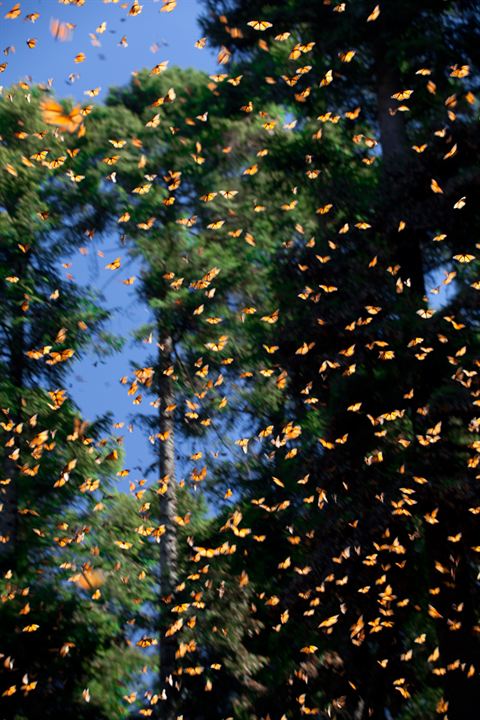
(8, 513)
(398, 180)
(9, 490)
(392, 127)
(168, 510)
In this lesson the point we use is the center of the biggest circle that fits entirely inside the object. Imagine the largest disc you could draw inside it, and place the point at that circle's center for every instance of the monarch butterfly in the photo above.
(136, 9)
(403, 95)
(161, 67)
(123, 544)
(114, 265)
(426, 314)
(39, 156)
(14, 13)
(142, 189)
(60, 30)
(271, 319)
(56, 163)
(348, 56)
(324, 210)
(146, 225)
(208, 197)
(224, 56)
(260, 25)
(90, 578)
(188, 222)
(217, 347)
(111, 159)
(168, 5)
(353, 114)
(328, 288)
(54, 114)
(451, 152)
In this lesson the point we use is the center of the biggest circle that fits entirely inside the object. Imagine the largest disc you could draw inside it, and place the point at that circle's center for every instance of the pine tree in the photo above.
(394, 75)
(173, 201)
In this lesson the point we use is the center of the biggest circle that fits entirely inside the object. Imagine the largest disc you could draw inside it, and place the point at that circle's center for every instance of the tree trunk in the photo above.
(398, 181)
(393, 137)
(9, 492)
(8, 514)
(168, 541)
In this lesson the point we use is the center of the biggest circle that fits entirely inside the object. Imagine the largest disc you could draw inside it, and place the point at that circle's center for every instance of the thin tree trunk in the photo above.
(168, 510)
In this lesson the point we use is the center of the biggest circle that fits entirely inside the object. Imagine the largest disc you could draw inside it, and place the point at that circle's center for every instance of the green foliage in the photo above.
(319, 556)
(56, 469)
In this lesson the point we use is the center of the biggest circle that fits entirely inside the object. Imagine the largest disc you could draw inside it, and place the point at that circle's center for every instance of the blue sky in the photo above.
(175, 33)
(94, 383)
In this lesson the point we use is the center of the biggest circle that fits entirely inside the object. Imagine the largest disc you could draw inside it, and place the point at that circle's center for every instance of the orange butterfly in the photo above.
(14, 13)
(54, 114)
(260, 25)
(60, 30)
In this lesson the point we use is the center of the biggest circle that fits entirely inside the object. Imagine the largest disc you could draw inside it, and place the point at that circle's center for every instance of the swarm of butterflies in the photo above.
(73, 122)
